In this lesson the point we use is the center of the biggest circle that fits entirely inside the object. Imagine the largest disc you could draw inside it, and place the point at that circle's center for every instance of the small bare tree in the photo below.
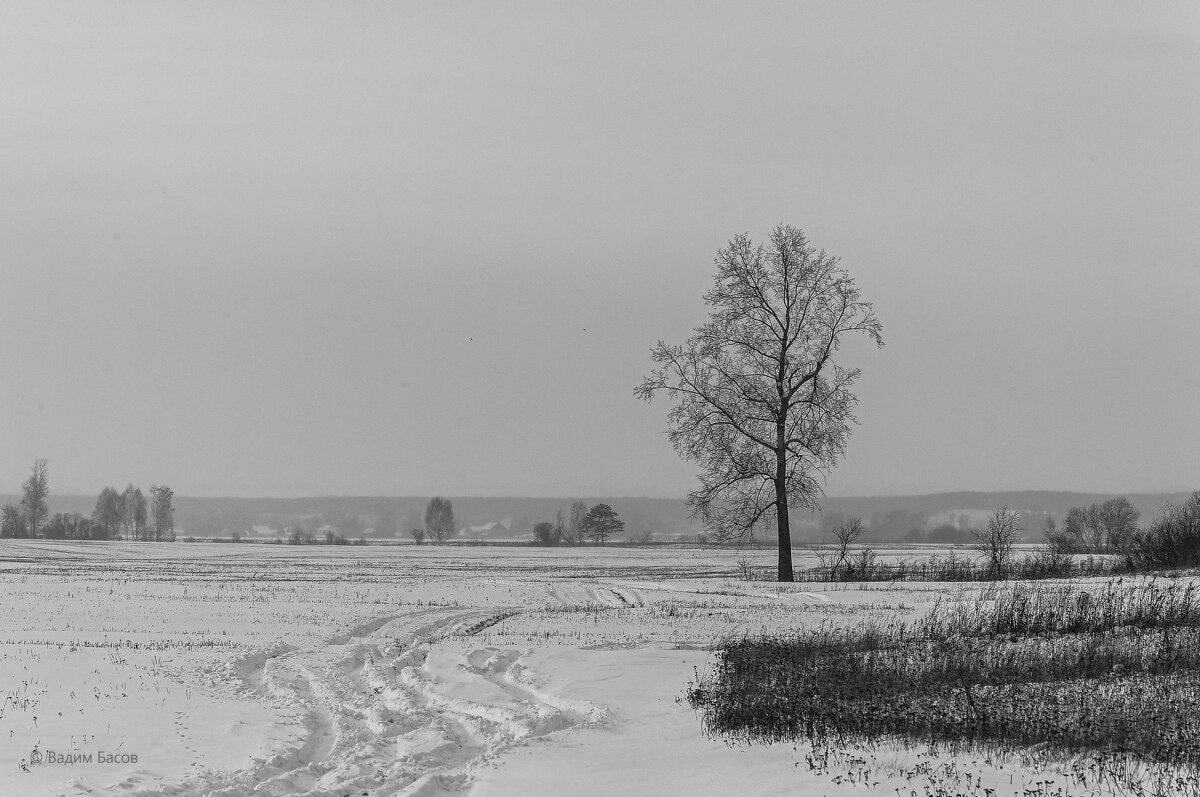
(845, 535)
(997, 538)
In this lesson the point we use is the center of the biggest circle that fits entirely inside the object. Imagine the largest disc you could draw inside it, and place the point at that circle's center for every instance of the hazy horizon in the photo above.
(66, 493)
(305, 249)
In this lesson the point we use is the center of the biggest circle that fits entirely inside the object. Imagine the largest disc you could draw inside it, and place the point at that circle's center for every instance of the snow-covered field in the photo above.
(261, 669)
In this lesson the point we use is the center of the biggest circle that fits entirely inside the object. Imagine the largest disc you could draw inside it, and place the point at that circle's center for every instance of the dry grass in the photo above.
(1109, 677)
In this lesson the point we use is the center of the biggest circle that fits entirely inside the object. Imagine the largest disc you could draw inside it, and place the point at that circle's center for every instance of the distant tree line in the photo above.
(117, 515)
(1100, 539)
(596, 524)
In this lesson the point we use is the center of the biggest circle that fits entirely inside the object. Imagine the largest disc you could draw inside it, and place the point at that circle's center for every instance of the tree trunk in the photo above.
(781, 513)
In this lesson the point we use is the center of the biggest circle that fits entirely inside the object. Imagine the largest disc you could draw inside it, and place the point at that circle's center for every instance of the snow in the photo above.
(270, 669)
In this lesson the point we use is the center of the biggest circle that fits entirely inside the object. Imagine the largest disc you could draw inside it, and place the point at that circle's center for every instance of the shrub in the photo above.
(1046, 563)
(747, 571)
(545, 533)
(1172, 540)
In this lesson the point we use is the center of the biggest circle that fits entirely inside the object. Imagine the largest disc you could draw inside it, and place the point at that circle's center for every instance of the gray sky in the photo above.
(398, 248)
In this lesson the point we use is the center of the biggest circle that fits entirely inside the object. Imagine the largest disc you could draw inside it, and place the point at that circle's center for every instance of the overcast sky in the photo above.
(400, 248)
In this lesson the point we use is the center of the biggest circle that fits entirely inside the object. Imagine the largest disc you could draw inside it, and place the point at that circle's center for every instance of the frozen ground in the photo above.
(278, 670)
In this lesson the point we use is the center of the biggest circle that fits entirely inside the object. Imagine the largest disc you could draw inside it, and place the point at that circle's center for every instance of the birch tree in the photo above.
(759, 402)
(36, 490)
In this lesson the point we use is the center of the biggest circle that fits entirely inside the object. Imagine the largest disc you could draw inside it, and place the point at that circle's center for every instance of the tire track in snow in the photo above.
(746, 592)
(576, 594)
(389, 711)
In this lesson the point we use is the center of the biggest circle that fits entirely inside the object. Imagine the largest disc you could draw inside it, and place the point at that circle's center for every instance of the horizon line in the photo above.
(577, 496)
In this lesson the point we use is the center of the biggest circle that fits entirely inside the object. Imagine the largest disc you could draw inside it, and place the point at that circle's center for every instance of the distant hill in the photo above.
(891, 517)
(1040, 501)
(1035, 500)
(513, 517)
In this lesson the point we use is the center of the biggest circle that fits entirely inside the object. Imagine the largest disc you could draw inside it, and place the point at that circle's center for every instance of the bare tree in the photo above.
(844, 535)
(109, 511)
(33, 503)
(760, 404)
(1119, 519)
(997, 538)
(418, 536)
(1057, 540)
(439, 519)
(574, 534)
(1172, 540)
(162, 509)
(136, 512)
(1098, 528)
(12, 521)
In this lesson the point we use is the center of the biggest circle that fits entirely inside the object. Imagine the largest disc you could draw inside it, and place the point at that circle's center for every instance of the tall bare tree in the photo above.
(759, 402)
(439, 519)
(162, 509)
(574, 533)
(135, 513)
(33, 503)
(109, 511)
(129, 510)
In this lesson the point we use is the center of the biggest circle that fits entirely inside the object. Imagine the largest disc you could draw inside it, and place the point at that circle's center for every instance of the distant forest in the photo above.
(917, 518)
